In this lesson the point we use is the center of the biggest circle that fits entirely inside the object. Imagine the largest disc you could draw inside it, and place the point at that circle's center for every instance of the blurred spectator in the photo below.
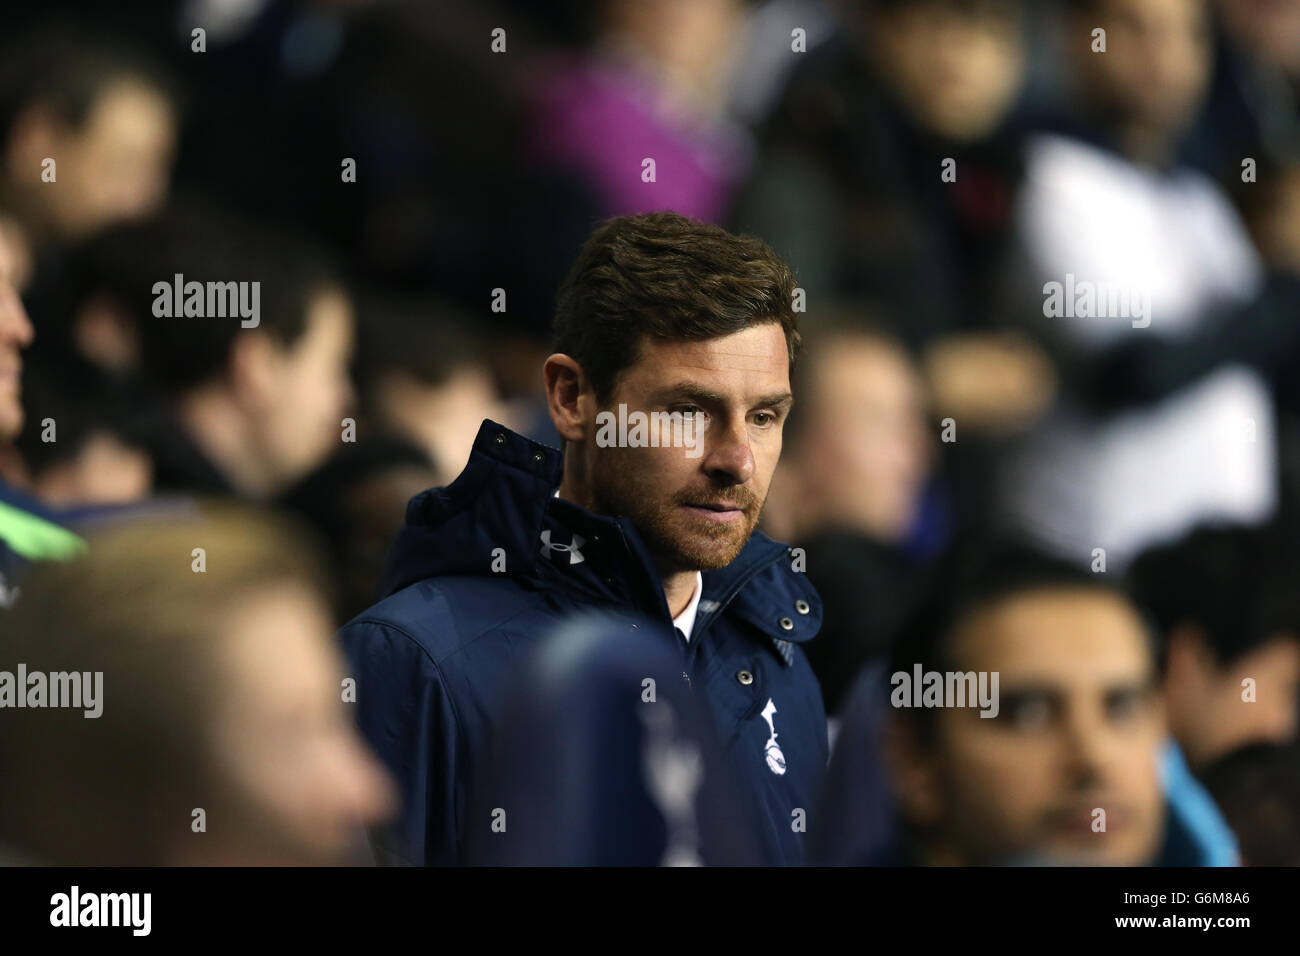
(1258, 788)
(1142, 253)
(1226, 604)
(1270, 205)
(79, 447)
(357, 502)
(444, 201)
(28, 530)
(215, 692)
(91, 319)
(850, 181)
(105, 117)
(423, 377)
(16, 334)
(649, 85)
(887, 174)
(858, 453)
(1253, 109)
(248, 408)
(761, 67)
(1078, 724)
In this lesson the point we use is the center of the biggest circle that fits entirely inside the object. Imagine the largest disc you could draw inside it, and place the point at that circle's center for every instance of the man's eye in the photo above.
(1125, 706)
(1030, 712)
(688, 411)
(764, 419)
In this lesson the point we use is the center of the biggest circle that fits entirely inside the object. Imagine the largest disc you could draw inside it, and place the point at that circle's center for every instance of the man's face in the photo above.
(696, 507)
(1156, 64)
(302, 781)
(956, 72)
(1267, 30)
(1206, 705)
(16, 334)
(1079, 728)
(117, 166)
(442, 419)
(309, 389)
(867, 449)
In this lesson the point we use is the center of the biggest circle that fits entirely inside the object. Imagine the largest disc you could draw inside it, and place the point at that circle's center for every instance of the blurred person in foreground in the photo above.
(1226, 601)
(218, 732)
(857, 458)
(607, 758)
(1073, 727)
(665, 316)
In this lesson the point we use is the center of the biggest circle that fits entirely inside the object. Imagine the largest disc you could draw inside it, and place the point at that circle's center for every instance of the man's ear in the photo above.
(569, 397)
(253, 367)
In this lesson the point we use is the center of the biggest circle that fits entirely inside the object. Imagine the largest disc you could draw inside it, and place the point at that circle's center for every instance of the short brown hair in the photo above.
(671, 278)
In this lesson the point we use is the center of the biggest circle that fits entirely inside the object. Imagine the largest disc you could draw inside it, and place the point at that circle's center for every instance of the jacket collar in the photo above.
(501, 516)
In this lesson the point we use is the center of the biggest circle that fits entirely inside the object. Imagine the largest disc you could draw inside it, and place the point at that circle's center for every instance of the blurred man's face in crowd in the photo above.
(1266, 29)
(300, 773)
(956, 71)
(114, 167)
(16, 334)
(1079, 728)
(697, 512)
(303, 389)
(106, 471)
(442, 419)
(867, 451)
(1157, 61)
(1207, 712)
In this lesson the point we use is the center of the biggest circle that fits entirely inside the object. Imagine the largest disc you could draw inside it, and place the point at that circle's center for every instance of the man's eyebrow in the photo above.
(1142, 685)
(1016, 688)
(703, 395)
(689, 390)
(778, 400)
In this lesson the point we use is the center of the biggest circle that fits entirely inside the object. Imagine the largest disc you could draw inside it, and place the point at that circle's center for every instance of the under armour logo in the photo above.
(771, 750)
(574, 549)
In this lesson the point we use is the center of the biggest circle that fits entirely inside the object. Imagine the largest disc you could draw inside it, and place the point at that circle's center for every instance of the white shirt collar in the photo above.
(685, 621)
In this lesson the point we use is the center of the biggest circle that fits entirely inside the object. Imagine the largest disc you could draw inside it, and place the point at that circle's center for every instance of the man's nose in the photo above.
(729, 457)
(1087, 740)
(15, 324)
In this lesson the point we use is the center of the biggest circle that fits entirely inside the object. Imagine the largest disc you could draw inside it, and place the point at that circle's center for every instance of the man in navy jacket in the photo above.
(669, 386)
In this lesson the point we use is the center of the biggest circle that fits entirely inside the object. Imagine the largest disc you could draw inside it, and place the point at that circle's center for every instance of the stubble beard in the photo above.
(674, 537)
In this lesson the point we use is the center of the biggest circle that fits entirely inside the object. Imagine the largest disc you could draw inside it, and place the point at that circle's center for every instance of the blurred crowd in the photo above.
(409, 182)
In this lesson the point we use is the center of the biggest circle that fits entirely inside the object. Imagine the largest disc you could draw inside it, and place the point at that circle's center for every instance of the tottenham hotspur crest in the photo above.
(775, 759)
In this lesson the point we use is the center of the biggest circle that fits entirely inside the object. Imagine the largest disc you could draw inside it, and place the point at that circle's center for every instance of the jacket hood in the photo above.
(501, 517)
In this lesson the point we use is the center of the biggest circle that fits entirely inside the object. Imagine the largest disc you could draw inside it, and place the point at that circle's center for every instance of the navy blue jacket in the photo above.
(489, 565)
